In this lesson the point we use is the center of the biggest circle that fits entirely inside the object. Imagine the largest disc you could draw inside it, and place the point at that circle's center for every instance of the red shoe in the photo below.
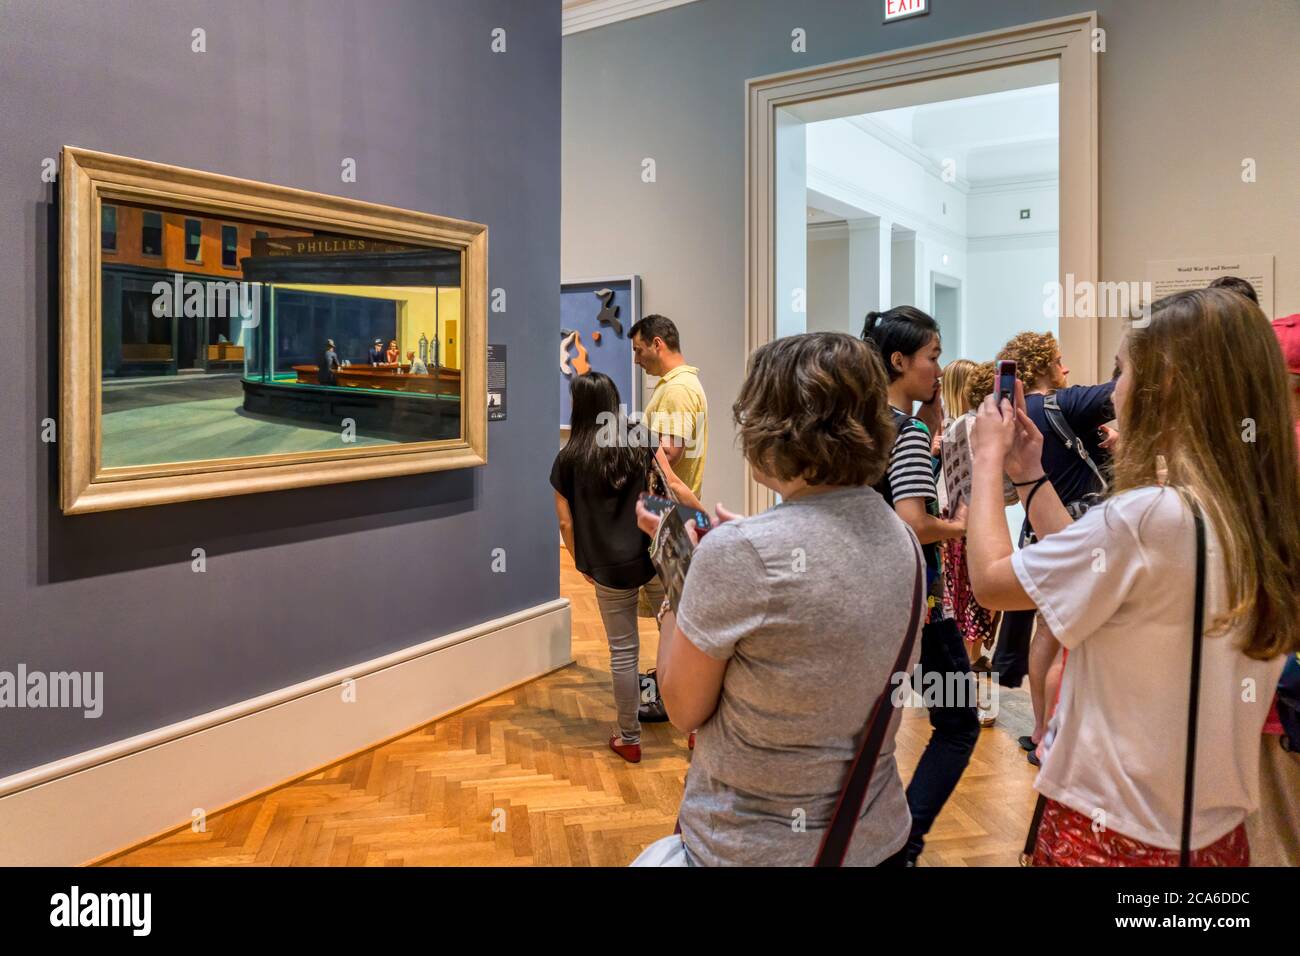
(690, 740)
(629, 752)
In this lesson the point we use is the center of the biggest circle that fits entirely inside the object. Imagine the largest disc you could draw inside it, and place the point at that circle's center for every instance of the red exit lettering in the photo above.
(903, 8)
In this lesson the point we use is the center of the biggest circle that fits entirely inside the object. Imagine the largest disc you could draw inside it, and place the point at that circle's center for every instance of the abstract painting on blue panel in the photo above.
(596, 317)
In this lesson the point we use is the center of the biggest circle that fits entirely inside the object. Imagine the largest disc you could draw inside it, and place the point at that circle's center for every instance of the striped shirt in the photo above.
(911, 467)
(911, 474)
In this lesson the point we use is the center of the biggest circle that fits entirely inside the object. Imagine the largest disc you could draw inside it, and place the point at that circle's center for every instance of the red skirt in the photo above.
(1066, 838)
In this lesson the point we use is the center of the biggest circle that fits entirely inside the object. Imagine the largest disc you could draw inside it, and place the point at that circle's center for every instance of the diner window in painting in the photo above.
(193, 239)
(151, 234)
(108, 228)
(229, 247)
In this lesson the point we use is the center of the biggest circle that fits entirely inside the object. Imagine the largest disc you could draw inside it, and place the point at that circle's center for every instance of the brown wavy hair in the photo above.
(1033, 353)
(1207, 371)
(979, 384)
(816, 407)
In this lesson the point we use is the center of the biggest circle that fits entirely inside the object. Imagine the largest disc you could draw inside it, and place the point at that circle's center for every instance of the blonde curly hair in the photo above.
(1034, 354)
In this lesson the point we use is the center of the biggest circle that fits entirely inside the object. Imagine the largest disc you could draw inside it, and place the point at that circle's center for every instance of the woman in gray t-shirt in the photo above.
(791, 620)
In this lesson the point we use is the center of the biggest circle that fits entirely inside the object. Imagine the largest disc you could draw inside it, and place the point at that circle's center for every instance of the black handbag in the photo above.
(651, 709)
(1193, 711)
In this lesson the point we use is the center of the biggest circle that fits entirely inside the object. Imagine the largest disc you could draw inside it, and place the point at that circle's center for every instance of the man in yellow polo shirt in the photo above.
(677, 410)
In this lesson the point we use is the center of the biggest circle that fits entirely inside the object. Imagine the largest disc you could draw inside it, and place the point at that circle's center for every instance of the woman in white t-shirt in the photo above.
(1203, 410)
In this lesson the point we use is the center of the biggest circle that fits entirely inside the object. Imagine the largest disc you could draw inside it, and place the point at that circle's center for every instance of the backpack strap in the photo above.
(1072, 442)
(901, 421)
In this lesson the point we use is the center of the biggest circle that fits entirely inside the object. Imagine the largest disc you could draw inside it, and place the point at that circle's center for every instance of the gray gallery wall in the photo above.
(303, 582)
(1188, 88)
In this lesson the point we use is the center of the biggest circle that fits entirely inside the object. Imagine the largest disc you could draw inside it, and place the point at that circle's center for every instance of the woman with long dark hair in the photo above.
(598, 476)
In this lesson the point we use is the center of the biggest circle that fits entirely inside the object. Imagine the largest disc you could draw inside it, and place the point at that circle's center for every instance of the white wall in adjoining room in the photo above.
(828, 280)
(1004, 293)
(1010, 261)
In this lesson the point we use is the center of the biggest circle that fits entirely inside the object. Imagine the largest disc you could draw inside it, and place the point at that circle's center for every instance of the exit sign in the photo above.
(898, 9)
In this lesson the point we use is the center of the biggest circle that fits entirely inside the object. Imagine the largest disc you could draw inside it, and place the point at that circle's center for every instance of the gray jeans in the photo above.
(618, 613)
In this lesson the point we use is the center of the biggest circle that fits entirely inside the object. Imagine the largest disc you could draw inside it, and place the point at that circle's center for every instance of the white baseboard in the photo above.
(87, 806)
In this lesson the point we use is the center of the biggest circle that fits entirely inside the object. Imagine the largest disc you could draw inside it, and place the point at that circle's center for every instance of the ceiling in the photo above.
(582, 15)
(993, 137)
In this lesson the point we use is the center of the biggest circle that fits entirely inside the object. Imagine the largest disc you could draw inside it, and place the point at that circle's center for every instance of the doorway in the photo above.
(187, 343)
(886, 160)
(945, 299)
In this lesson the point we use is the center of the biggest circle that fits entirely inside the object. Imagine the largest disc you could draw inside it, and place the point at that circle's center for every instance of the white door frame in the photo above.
(942, 279)
(1067, 40)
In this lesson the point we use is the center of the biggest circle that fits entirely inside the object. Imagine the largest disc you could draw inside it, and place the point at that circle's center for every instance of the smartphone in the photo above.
(1005, 386)
(658, 506)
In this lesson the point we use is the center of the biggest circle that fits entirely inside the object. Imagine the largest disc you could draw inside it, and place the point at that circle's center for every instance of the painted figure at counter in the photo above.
(328, 364)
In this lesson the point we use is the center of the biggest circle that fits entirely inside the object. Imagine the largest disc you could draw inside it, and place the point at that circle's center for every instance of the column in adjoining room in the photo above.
(870, 267)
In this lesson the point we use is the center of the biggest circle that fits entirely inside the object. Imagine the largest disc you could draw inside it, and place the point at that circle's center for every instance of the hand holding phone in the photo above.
(1005, 382)
(661, 506)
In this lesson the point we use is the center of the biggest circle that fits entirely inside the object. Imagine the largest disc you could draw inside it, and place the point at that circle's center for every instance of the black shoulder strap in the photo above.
(1194, 705)
(1056, 418)
(844, 821)
(883, 486)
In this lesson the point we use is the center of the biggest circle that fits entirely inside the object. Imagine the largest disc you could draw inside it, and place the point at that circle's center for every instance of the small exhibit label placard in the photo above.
(1168, 276)
(496, 376)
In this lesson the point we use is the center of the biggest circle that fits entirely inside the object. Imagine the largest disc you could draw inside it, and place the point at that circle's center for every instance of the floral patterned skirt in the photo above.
(1066, 838)
(974, 622)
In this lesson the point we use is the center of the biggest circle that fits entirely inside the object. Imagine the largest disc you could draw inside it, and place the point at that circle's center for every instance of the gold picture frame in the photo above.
(89, 179)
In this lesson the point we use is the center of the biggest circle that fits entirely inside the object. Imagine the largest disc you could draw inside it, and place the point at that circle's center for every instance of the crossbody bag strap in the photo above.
(1056, 418)
(1031, 840)
(835, 843)
(1194, 705)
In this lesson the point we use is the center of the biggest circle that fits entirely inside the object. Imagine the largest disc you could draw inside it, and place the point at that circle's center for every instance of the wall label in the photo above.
(496, 382)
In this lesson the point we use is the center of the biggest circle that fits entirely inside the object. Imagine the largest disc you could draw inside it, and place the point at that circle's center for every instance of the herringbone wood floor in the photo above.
(537, 753)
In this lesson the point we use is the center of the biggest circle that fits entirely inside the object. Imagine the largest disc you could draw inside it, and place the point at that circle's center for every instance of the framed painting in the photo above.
(221, 336)
(596, 317)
